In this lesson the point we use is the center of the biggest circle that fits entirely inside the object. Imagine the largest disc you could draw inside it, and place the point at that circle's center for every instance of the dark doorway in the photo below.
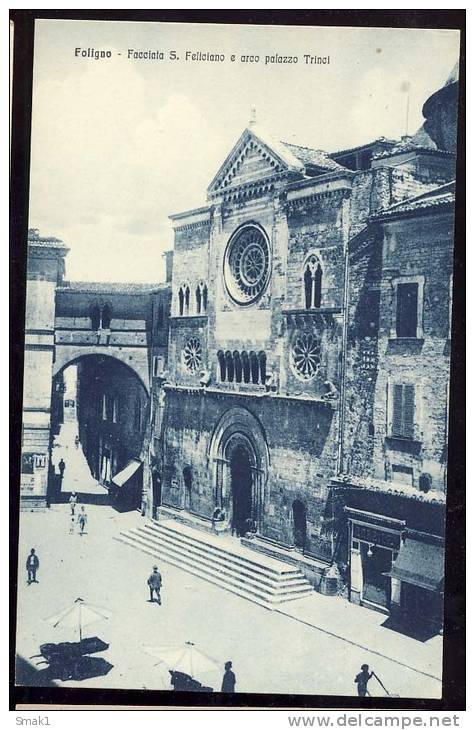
(187, 481)
(377, 563)
(299, 513)
(241, 487)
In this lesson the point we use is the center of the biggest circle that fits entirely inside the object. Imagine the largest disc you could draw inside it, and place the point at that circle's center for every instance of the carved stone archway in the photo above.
(238, 429)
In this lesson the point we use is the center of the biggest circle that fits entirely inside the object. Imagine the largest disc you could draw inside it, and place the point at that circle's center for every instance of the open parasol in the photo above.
(80, 614)
(185, 658)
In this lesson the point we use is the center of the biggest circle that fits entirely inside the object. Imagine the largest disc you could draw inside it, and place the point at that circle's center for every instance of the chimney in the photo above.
(168, 256)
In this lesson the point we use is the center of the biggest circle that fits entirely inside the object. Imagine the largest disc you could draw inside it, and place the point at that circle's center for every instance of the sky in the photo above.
(119, 144)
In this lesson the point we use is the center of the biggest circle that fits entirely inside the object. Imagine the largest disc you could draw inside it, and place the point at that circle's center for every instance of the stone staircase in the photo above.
(221, 560)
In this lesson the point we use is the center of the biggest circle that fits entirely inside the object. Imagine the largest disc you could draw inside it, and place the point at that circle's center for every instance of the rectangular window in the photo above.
(406, 310)
(403, 411)
(104, 407)
(403, 474)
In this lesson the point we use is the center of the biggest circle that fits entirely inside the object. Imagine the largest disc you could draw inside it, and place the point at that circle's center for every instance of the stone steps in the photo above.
(221, 561)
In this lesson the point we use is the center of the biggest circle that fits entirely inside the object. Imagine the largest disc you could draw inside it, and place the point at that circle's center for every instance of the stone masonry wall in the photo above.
(300, 437)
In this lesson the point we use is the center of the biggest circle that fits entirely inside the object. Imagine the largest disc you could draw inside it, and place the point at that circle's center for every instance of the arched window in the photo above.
(246, 368)
(198, 299)
(262, 367)
(307, 280)
(95, 317)
(106, 317)
(229, 367)
(254, 367)
(312, 283)
(317, 287)
(222, 366)
(205, 298)
(237, 366)
(187, 300)
(180, 301)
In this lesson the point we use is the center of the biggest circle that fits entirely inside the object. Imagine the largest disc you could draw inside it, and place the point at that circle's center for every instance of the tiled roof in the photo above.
(34, 239)
(381, 140)
(389, 487)
(106, 287)
(316, 158)
(436, 198)
(414, 144)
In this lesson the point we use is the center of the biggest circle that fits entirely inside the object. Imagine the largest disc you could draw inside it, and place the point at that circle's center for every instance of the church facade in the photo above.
(306, 392)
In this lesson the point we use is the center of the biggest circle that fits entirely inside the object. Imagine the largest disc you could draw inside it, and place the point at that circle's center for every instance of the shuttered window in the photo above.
(403, 411)
(406, 310)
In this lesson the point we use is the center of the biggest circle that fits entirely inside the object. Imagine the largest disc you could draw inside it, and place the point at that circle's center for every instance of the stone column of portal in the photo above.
(45, 268)
(356, 575)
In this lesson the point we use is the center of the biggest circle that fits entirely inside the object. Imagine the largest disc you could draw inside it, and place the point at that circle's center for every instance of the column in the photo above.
(356, 575)
(395, 596)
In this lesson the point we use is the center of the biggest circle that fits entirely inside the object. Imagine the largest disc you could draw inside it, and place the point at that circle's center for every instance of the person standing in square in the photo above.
(155, 583)
(32, 565)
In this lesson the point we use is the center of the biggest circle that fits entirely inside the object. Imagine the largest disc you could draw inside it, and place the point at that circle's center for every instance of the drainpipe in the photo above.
(341, 425)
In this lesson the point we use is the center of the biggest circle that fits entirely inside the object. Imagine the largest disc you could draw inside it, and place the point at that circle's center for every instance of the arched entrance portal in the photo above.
(243, 504)
(239, 458)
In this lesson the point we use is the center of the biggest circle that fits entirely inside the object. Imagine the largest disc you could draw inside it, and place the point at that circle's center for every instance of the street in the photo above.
(272, 652)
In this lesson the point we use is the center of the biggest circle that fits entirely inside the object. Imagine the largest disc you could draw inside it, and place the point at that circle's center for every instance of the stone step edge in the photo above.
(273, 586)
(202, 550)
(219, 580)
(248, 595)
(285, 569)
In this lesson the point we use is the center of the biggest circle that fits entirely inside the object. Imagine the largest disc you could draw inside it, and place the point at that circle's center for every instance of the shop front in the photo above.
(127, 487)
(374, 543)
(418, 576)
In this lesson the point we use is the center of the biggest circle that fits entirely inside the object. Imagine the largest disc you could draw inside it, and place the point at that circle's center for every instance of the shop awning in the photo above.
(126, 473)
(420, 563)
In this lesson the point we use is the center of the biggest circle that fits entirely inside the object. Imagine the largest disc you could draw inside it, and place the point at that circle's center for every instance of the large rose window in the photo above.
(305, 356)
(246, 265)
(192, 355)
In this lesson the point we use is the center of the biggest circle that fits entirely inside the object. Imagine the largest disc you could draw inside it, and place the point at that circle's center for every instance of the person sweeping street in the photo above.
(362, 680)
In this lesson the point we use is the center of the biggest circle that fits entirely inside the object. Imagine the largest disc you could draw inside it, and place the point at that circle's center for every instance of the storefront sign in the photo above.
(370, 534)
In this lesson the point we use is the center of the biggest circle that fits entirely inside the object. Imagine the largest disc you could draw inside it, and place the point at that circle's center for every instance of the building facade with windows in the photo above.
(306, 393)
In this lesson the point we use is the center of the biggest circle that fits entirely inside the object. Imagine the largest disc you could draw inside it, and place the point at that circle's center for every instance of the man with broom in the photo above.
(362, 680)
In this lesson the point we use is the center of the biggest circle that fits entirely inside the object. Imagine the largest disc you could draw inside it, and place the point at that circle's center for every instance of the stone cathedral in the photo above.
(305, 398)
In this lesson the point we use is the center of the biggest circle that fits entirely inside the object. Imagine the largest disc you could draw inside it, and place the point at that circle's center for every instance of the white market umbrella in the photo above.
(185, 658)
(80, 614)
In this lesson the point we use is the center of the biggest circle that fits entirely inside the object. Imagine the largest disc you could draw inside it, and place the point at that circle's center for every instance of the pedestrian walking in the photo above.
(76, 441)
(362, 680)
(82, 520)
(61, 467)
(71, 525)
(229, 678)
(32, 565)
(73, 501)
(155, 583)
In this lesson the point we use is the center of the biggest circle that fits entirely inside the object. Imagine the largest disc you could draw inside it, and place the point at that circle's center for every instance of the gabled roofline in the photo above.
(283, 155)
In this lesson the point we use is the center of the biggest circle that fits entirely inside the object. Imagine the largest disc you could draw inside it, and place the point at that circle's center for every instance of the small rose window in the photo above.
(192, 355)
(305, 356)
